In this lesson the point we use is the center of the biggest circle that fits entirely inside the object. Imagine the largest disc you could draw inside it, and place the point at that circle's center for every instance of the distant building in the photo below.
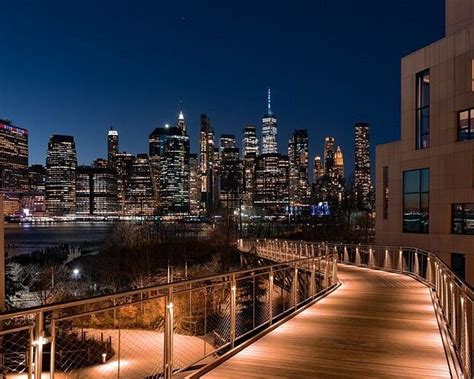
(61, 162)
(328, 146)
(139, 195)
(33, 200)
(96, 191)
(298, 167)
(103, 163)
(194, 184)
(230, 176)
(271, 183)
(170, 165)
(206, 163)
(250, 162)
(124, 164)
(362, 180)
(318, 168)
(227, 141)
(112, 146)
(339, 162)
(269, 130)
(13, 157)
(250, 141)
(37, 178)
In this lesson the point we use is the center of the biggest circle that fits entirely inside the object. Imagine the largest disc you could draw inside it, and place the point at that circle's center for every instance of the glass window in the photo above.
(458, 264)
(462, 219)
(423, 109)
(416, 201)
(466, 125)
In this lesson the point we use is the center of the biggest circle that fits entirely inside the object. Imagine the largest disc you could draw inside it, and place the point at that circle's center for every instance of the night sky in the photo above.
(78, 67)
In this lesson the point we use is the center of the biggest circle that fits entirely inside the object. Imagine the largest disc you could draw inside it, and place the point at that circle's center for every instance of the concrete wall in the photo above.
(451, 163)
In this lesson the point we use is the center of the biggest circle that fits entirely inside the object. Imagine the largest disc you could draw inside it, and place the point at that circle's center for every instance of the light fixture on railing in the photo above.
(40, 341)
(104, 357)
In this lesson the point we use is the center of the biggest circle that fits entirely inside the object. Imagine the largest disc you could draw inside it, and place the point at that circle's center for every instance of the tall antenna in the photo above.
(269, 105)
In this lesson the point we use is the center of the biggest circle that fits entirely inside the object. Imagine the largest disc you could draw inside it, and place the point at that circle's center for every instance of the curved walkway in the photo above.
(377, 324)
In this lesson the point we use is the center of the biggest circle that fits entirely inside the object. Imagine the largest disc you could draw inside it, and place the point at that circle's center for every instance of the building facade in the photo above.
(206, 163)
(139, 194)
(61, 162)
(425, 181)
(299, 191)
(328, 147)
(96, 191)
(194, 185)
(362, 179)
(13, 157)
(250, 141)
(112, 147)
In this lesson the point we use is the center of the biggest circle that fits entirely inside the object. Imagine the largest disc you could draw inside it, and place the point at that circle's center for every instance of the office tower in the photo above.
(181, 123)
(227, 141)
(318, 168)
(139, 194)
(33, 200)
(102, 163)
(339, 162)
(37, 177)
(328, 146)
(216, 183)
(96, 191)
(269, 130)
(194, 184)
(298, 167)
(206, 162)
(250, 161)
(13, 157)
(230, 176)
(112, 146)
(362, 182)
(124, 163)
(271, 183)
(173, 166)
(250, 141)
(61, 162)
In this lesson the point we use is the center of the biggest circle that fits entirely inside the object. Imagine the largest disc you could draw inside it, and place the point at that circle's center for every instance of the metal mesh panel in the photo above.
(15, 352)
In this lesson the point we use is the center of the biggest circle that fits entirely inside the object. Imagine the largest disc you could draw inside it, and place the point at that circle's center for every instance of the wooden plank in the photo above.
(376, 324)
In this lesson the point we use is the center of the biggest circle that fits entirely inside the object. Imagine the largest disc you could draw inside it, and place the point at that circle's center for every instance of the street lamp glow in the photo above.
(75, 272)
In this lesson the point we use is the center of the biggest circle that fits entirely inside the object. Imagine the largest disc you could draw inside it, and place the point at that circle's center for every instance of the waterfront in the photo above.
(25, 238)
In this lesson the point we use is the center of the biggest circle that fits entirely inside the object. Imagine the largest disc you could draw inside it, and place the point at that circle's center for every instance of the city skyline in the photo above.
(224, 86)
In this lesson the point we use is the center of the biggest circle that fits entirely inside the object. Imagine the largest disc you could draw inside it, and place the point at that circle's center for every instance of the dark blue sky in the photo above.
(78, 67)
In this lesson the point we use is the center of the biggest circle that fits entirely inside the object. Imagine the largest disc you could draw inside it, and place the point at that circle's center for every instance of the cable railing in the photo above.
(159, 331)
(453, 299)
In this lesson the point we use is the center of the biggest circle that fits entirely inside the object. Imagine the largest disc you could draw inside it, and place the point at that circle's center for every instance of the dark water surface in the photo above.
(24, 238)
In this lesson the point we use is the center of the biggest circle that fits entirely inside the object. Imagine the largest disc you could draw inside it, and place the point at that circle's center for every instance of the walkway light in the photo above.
(104, 357)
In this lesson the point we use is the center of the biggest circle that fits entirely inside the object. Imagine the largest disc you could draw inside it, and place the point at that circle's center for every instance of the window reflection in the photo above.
(466, 125)
(423, 109)
(462, 219)
(416, 201)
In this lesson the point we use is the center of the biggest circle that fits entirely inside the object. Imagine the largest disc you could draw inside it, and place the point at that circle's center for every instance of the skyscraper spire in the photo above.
(269, 100)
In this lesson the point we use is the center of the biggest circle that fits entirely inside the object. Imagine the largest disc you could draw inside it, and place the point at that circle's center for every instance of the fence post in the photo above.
(295, 281)
(270, 297)
(169, 317)
(53, 349)
(39, 342)
(233, 293)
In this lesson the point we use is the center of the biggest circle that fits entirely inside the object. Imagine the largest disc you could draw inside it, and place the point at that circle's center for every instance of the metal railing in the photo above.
(159, 331)
(453, 299)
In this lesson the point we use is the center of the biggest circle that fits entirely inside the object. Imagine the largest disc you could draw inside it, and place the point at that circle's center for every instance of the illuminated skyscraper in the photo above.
(271, 183)
(96, 191)
(169, 152)
(298, 167)
(250, 141)
(13, 157)
(318, 169)
(206, 162)
(269, 130)
(250, 161)
(139, 194)
(194, 184)
(61, 162)
(362, 181)
(112, 146)
(339, 162)
(124, 163)
(230, 172)
(328, 146)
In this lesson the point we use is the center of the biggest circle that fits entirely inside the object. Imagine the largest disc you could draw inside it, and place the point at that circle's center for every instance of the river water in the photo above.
(25, 238)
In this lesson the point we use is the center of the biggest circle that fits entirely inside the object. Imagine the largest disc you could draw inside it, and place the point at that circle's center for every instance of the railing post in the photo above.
(39, 342)
(295, 287)
(334, 269)
(169, 318)
(400, 260)
(270, 297)
(52, 363)
(346, 255)
(357, 259)
(233, 294)
(313, 279)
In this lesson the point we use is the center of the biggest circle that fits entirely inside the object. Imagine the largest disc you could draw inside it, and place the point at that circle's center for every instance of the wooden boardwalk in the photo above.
(376, 325)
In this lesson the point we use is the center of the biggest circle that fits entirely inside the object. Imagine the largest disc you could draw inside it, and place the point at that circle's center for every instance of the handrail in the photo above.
(195, 319)
(453, 298)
